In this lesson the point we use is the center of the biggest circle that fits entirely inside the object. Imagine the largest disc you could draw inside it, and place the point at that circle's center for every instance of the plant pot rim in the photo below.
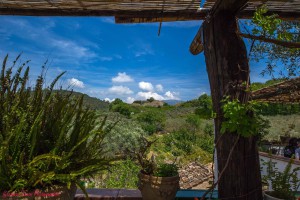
(267, 193)
(150, 178)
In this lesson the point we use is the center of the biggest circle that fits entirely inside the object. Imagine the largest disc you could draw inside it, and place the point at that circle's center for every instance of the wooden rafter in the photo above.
(137, 11)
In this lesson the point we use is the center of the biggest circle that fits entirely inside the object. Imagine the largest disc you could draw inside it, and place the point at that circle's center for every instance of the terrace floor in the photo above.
(124, 194)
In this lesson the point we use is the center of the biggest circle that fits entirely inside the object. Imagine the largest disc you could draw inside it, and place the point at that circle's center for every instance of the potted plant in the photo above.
(159, 181)
(48, 139)
(282, 184)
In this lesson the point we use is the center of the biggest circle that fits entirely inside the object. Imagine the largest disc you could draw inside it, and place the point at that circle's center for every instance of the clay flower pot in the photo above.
(158, 188)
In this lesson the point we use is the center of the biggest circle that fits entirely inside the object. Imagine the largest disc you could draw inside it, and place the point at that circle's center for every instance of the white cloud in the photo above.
(171, 95)
(146, 86)
(71, 48)
(141, 48)
(148, 95)
(118, 56)
(159, 88)
(76, 83)
(108, 99)
(105, 58)
(122, 78)
(130, 100)
(120, 90)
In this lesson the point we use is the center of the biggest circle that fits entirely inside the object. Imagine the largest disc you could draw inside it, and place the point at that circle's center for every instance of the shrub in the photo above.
(122, 175)
(152, 121)
(46, 138)
(125, 136)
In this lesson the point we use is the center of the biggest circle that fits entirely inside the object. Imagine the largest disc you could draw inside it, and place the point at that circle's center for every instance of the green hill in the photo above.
(92, 102)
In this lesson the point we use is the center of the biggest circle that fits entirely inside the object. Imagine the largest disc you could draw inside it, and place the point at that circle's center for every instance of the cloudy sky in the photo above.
(107, 60)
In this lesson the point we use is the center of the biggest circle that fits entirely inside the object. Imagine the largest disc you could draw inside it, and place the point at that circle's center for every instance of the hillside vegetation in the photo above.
(91, 102)
(183, 132)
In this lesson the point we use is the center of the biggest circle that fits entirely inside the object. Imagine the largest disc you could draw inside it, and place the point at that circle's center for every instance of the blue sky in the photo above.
(107, 60)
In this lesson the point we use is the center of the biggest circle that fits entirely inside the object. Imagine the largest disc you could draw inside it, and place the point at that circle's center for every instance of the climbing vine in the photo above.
(243, 118)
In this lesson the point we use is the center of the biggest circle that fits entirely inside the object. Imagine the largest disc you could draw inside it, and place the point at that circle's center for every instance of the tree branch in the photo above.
(290, 45)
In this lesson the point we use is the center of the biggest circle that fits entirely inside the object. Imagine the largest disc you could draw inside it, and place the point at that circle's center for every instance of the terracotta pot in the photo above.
(268, 196)
(158, 188)
(55, 193)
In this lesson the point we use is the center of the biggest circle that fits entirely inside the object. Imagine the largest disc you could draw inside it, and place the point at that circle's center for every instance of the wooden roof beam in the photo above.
(188, 14)
(164, 18)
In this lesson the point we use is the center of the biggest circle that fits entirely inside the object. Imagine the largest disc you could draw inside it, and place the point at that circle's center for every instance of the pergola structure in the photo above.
(139, 11)
(225, 55)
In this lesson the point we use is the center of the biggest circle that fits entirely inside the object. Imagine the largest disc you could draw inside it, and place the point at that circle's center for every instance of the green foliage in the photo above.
(194, 122)
(283, 125)
(152, 120)
(206, 143)
(268, 23)
(125, 136)
(204, 109)
(257, 85)
(209, 129)
(285, 184)
(149, 164)
(90, 102)
(284, 60)
(183, 142)
(121, 175)
(166, 170)
(123, 108)
(46, 138)
(243, 119)
(151, 99)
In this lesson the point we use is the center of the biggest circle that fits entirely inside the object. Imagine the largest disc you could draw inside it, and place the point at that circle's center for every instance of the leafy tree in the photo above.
(204, 109)
(275, 41)
(151, 99)
(152, 121)
(123, 108)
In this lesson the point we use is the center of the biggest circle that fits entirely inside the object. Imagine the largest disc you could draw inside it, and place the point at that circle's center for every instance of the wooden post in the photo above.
(228, 71)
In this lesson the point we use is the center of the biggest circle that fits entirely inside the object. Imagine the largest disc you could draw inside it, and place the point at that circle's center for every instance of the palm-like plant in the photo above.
(46, 137)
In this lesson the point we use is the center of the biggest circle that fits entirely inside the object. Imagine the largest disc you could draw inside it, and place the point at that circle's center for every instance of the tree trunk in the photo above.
(228, 71)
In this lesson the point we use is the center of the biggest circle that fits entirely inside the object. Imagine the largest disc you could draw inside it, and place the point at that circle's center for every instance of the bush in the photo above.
(181, 140)
(123, 108)
(125, 136)
(121, 175)
(152, 121)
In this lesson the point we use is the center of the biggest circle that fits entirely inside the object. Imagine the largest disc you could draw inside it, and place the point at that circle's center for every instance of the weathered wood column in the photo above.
(228, 71)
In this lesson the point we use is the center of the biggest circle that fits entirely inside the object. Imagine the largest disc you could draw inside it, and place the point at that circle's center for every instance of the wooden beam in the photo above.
(232, 6)
(228, 71)
(179, 17)
(197, 45)
(132, 16)
(185, 14)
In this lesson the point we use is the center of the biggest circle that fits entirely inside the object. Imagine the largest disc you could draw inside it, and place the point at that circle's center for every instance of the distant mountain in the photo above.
(172, 102)
(91, 102)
